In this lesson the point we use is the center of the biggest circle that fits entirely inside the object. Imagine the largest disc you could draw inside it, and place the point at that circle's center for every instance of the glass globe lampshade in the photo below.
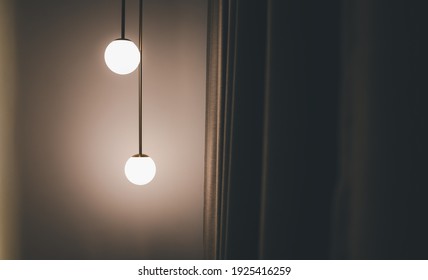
(140, 169)
(122, 56)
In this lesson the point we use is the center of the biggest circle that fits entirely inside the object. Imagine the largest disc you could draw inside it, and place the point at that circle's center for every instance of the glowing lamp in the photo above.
(140, 169)
(122, 56)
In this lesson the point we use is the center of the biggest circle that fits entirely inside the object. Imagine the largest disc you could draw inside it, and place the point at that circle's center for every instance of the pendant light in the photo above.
(122, 55)
(140, 169)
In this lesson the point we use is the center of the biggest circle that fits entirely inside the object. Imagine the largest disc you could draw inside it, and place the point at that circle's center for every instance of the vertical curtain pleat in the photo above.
(246, 86)
(213, 146)
(236, 126)
(300, 130)
(383, 187)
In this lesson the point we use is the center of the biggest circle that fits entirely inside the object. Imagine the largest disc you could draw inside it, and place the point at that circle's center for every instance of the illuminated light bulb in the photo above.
(122, 56)
(140, 169)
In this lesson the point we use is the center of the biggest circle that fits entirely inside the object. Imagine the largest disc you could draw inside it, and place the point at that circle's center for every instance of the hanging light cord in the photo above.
(140, 82)
(122, 31)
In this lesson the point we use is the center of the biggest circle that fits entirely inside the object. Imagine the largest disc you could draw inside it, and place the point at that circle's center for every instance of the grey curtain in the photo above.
(316, 130)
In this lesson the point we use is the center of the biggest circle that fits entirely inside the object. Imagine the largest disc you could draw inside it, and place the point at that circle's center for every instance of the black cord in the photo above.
(140, 80)
(122, 33)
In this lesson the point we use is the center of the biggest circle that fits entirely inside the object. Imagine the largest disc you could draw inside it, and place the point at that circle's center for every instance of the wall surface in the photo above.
(8, 189)
(77, 126)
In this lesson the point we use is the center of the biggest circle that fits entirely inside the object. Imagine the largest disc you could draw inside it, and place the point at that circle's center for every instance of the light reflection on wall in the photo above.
(78, 125)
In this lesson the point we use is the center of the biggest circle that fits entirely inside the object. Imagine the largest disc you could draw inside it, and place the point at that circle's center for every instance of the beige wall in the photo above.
(8, 188)
(77, 126)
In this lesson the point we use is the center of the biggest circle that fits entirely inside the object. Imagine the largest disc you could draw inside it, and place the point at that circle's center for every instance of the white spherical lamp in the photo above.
(140, 169)
(122, 56)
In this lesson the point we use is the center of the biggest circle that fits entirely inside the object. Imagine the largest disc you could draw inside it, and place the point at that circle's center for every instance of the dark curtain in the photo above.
(316, 130)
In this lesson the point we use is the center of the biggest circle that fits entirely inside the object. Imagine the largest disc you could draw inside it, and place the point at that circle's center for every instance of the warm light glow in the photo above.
(140, 170)
(122, 56)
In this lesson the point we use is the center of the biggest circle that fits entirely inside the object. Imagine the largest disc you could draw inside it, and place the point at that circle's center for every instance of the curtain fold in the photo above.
(213, 128)
(300, 136)
(383, 186)
(234, 128)
(316, 130)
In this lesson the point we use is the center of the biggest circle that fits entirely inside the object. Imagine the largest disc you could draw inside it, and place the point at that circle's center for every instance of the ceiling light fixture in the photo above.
(121, 58)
